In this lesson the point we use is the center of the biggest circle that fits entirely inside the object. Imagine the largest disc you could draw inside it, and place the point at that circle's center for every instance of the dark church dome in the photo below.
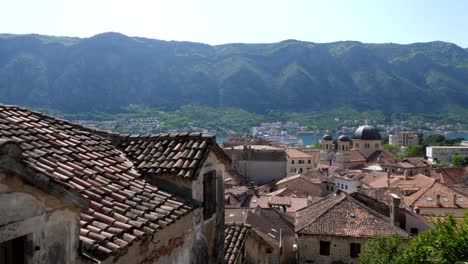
(343, 138)
(327, 137)
(367, 133)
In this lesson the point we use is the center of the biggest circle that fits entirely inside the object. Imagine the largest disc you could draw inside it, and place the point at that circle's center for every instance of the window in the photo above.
(346, 187)
(327, 187)
(301, 161)
(308, 161)
(445, 199)
(429, 198)
(414, 230)
(209, 194)
(342, 186)
(300, 169)
(354, 249)
(377, 145)
(292, 161)
(357, 145)
(292, 170)
(14, 251)
(324, 248)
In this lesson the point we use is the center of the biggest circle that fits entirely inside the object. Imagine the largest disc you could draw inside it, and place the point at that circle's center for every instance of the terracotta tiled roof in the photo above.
(269, 222)
(123, 206)
(356, 156)
(174, 154)
(452, 176)
(292, 204)
(448, 198)
(341, 215)
(295, 153)
(234, 239)
(413, 187)
(377, 179)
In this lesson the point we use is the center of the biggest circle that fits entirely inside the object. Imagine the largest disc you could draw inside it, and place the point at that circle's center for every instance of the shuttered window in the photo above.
(209, 194)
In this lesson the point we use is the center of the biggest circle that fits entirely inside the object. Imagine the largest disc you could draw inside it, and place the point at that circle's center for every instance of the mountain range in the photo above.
(109, 71)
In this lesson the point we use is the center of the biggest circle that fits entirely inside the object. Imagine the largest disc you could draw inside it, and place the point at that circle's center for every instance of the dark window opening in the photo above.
(325, 248)
(13, 251)
(414, 230)
(209, 195)
(354, 250)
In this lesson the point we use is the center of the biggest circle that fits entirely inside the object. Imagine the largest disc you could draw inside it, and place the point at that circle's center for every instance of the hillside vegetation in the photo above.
(110, 71)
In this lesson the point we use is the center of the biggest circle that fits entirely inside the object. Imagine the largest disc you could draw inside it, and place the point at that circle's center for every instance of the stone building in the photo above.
(298, 161)
(335, 229)
(269, 237)
(258, 164)
(123, 199)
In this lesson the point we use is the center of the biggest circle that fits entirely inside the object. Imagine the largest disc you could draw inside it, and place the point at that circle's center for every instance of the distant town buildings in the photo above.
(437, 154)
(401, 139)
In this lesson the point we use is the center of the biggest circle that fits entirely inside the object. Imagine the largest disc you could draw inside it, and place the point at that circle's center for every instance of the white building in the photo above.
(445, 153)
(401, 139)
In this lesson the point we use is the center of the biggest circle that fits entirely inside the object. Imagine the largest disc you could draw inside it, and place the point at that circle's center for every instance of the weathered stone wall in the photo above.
(51, 226)
(309, 249)
(262, 172)
(213, 228)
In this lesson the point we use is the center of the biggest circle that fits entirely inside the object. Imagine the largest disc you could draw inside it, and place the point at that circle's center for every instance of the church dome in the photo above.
(327, 137)
(343, 138)
(367, 133)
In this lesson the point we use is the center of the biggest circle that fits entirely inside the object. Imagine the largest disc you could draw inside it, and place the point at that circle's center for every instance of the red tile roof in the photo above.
(174, 154)
(235, 235)
(123, 206)
(341, 215)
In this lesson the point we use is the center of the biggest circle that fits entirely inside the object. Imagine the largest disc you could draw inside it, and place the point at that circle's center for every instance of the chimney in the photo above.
(454, 200)
(406, 175)
(395, 209)
(438, 200)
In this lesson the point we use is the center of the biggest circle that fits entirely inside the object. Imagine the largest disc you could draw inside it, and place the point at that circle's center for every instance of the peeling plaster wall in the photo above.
(173, 244)
(50, 224)
(213, 228)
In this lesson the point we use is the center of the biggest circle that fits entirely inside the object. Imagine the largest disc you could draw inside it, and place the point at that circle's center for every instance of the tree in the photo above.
(447, 243)
(459, 160)
(415, 151)
(381, 250)
(393, 149)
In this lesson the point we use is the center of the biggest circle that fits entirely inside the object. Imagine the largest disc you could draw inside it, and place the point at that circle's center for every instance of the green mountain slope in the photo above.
(110, 71)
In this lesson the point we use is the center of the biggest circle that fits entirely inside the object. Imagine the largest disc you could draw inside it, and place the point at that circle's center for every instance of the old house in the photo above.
(124, 199)
(298, 161)
(335, 228)
(412, 166)
(270, 238)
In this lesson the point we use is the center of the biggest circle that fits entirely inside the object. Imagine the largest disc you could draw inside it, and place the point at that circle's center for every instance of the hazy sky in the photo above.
(249, 21)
